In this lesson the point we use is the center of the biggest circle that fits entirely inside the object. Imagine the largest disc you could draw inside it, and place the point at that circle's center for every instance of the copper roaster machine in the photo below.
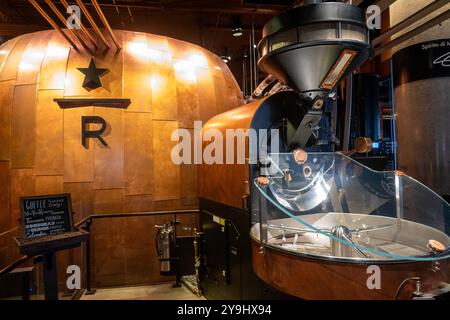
(304, 221)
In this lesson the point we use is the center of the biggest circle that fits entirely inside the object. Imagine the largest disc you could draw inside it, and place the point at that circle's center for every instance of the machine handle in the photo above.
(244, 200)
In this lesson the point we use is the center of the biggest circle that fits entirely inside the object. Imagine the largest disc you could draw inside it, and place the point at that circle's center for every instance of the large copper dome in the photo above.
(170, 84)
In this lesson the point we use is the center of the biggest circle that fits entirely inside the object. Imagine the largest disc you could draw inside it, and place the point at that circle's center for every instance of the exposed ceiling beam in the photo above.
(407, 36)
(432, 7)
(384, 4)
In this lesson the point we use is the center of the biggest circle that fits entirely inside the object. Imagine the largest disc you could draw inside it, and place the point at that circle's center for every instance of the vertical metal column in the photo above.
(50, 277)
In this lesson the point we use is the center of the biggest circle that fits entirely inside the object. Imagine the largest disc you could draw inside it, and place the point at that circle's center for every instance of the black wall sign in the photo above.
(46, 215)
(422, 61)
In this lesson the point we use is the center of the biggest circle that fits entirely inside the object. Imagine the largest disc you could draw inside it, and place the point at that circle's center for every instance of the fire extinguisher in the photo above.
(165, 246)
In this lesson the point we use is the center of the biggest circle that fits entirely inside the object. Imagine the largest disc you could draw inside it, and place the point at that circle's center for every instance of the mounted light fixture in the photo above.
(225, 58)
(237, 27)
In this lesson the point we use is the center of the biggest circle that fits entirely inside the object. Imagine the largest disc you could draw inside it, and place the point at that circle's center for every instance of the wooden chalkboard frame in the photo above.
(50, 196)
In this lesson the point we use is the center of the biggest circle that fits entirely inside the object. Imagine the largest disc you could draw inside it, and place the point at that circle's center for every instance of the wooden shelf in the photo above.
(90, 102)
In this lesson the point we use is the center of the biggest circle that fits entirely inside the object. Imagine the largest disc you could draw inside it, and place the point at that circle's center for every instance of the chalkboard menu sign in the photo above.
(46, 215)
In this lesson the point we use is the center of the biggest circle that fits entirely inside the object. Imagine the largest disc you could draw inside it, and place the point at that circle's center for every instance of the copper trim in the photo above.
(263, 181)
(83, 28)
(436, 246)
(300, 156)
(329, 86)
(52, 23)
(105, 22)
(92, 23)
(63, 20)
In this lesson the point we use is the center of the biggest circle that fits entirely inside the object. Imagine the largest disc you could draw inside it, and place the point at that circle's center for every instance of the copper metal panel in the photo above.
(9, 251)
(112, 80)
(82, 195)
(5, 215)
(49, 134)
(109, 160)
(216, 65)
(108, 201)
(207, 94)
(142, 265)
(227, 183)
(138, 203)
(78, 161)
(23, 127)
(53, 70)
(232, 99)
(164, 92)
(74, 78)
(158, 42)
(11, 64)
(109, 254)
(138, 166)
(6, 99)
(164, 89)
(188, 106)
(189, 174)
(162, 205)
(221, 89)
(179, 49)
(223, 183)
(166, 173)
(34, 54)
(22, 184)
(137, 72)
(45, 185)
(5, 50)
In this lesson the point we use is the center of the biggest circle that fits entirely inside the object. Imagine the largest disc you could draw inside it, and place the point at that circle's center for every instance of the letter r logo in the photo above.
(86, 133)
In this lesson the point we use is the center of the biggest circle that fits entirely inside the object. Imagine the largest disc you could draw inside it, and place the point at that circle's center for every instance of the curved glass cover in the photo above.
(331, 206)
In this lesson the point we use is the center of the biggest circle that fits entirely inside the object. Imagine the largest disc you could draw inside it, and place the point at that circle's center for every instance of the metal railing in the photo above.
(86, 223)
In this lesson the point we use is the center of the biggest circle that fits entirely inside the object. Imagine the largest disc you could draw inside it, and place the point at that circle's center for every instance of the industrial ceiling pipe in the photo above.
(52, 23)
(105, 23)
(432, 7)
(82, 27)
(92, 23)
(63, 20)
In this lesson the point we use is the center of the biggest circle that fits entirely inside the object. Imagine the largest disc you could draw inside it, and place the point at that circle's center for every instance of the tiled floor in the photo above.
(154, 292)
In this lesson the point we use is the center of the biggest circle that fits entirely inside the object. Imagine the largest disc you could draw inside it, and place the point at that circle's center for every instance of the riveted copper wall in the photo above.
(170, 83)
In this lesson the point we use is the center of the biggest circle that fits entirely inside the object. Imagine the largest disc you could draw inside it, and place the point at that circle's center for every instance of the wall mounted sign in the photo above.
(92, 81)
(424, 60)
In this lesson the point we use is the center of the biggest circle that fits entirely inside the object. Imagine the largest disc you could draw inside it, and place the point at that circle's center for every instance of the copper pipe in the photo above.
(83, 28)
(63, 20)
(105, 23)
(92, 22)
(52, 23)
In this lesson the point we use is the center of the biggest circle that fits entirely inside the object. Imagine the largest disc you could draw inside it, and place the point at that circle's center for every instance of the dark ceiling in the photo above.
(207, 23)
